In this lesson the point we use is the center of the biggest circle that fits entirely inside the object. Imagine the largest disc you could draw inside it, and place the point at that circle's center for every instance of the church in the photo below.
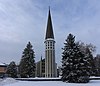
(47, 67)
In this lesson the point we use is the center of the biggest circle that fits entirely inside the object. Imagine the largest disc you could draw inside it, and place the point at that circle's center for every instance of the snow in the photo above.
(7, 81)
(13, 82)
(40, 78)
(95, 77)
(2, 64)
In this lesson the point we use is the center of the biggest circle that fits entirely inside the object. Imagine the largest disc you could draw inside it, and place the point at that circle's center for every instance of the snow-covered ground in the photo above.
(7, 81)
(12, 82)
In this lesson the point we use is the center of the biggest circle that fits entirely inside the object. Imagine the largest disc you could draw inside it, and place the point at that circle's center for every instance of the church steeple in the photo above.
(49, 30)
(50, 65)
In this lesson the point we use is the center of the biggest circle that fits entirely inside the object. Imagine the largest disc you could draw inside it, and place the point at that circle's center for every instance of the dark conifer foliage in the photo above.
(90, 65)
(97, 65)
(74, 62)
(27, 63)
(12, 70)
(88, 49)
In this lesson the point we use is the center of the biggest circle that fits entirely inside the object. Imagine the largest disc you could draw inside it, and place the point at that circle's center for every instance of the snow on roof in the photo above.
(2, 64)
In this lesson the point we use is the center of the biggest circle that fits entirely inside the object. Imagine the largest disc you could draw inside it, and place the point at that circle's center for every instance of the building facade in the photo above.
(40, 68)
(3, 68)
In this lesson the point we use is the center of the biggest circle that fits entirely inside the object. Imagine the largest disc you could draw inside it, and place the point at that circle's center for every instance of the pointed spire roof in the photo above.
(41, 57)
(49, 31)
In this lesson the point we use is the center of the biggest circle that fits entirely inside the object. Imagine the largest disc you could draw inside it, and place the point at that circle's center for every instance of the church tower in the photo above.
(50, 65)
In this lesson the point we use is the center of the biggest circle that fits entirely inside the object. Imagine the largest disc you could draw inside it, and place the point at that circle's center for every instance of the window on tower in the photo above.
(50, 43)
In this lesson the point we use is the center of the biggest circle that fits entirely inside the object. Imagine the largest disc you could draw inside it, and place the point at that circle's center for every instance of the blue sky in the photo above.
(25, 20)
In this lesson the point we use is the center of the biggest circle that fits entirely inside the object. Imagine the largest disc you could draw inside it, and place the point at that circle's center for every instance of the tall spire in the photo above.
(50, 65)
(49, 31)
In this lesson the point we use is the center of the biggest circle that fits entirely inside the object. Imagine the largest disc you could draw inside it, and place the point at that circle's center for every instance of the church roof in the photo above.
(49, 30)
(2, 64)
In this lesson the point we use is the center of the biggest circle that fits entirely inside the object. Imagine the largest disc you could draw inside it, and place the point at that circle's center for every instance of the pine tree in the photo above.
(97, 65)
(12, 70)
(27, 63)
(90, 64)
(88, 49)
(74, 63)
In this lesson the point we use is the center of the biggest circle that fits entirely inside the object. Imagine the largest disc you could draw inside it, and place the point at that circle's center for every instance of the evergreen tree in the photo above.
(90, 65)
(74, 62)
(97, 65)
(12, 70)
(88, 49)
(27, 63)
